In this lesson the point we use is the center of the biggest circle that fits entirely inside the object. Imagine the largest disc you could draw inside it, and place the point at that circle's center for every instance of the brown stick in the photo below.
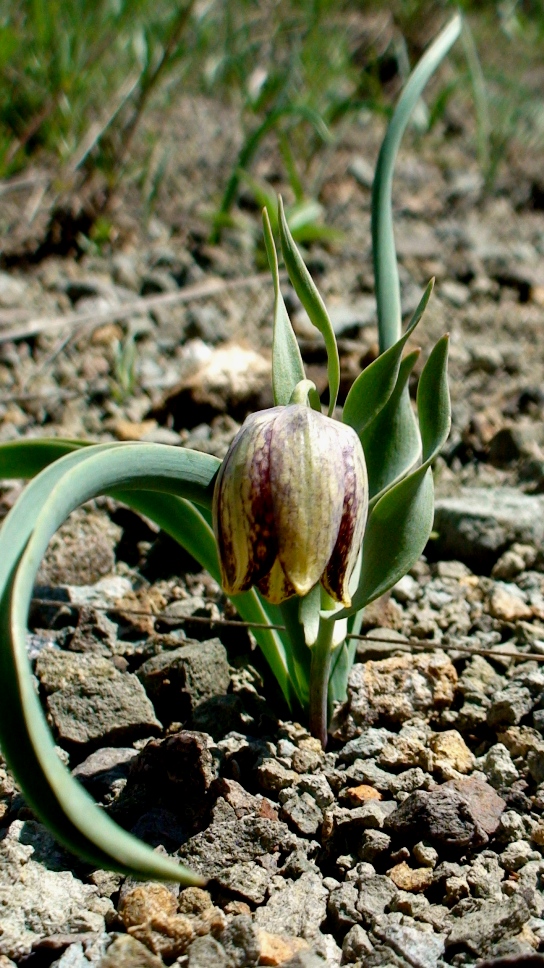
(52, 324)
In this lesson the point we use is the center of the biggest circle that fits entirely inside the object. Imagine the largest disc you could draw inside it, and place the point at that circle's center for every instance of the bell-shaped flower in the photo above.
(290, 505)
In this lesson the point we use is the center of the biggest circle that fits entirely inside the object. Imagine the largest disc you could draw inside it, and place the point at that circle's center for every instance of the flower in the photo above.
(290, 505)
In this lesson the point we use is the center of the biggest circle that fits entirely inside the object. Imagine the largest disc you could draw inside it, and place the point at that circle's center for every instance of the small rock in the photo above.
(510, 705)
(376, 892)
(408, 879)
(127, 952)
(273, 777)
(369, 743)
(451, 753)
(507, 604)
(517, 854)
(241, 942)
(89, 700)
(246, 879)
(206, 952)
(360, 794)
(227, 842)
(417, 947)
(425, 854)
(276, 949)
(498, 767)
(373, 844)
(356, 944)
(457, 815)
(232, 379)
(105, 771)
(149, 913)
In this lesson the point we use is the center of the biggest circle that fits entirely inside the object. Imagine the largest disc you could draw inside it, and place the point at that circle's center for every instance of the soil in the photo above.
(403, 862)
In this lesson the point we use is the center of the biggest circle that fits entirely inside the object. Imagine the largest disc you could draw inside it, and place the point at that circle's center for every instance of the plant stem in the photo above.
(319, 680)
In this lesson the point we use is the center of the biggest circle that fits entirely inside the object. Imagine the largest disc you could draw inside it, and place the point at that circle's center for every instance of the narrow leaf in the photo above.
(391, 443)
(383, 239)
(308, 294)
(397, 531)
(373, 387)
(433, 401)
(287, 365)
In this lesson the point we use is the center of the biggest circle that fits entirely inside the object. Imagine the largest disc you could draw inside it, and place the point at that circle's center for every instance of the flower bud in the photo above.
(290, 505)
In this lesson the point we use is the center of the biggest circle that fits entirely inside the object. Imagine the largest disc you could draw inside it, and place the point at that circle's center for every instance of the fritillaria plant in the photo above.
(310, 517)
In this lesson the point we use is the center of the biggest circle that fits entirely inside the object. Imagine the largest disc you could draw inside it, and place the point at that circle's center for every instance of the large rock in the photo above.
(37, 903)
(180, 681)
(296, 909)
(395, 690)
(457, 816)
(90, 701)
(478, 524)
(487, 923)
(229, 842)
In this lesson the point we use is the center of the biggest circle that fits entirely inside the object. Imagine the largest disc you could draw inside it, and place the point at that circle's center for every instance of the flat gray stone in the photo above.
(479, 523)
(489, 922)
(297, 909)
(37, 903)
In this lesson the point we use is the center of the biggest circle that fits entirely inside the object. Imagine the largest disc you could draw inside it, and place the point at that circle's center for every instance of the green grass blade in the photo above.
(392, 443)
(374, 386)
(383, 239)
(287, 365)
(308, 294)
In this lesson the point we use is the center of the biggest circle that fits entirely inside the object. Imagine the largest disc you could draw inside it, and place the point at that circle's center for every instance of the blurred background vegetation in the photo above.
(78, 77)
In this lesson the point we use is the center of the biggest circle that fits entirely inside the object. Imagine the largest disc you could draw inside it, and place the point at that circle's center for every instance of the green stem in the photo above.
(319, 680)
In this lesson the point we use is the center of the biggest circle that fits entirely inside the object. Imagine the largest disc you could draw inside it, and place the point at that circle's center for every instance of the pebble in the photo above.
(409, 879)
(498, 767)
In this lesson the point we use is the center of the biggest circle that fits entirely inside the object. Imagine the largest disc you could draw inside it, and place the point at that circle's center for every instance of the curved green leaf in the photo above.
(397, 531)
(373, 387)
(26, 458)
(287, 365)
(391, 443)
(383, 240)
(26, 741)
(310, 298)
(433, 401)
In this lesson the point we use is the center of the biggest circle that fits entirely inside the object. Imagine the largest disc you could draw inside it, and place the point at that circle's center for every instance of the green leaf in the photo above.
(391, 443)
(373, 387)
(25, 458)
(383, 239)
(433, 401)
(287, 365)
(308, 294)
(400, 522)
(24, 735)
(309, 614)
(397, 531)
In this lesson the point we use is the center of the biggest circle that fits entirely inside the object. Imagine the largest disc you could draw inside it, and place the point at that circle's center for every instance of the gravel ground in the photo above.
(417, 838)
